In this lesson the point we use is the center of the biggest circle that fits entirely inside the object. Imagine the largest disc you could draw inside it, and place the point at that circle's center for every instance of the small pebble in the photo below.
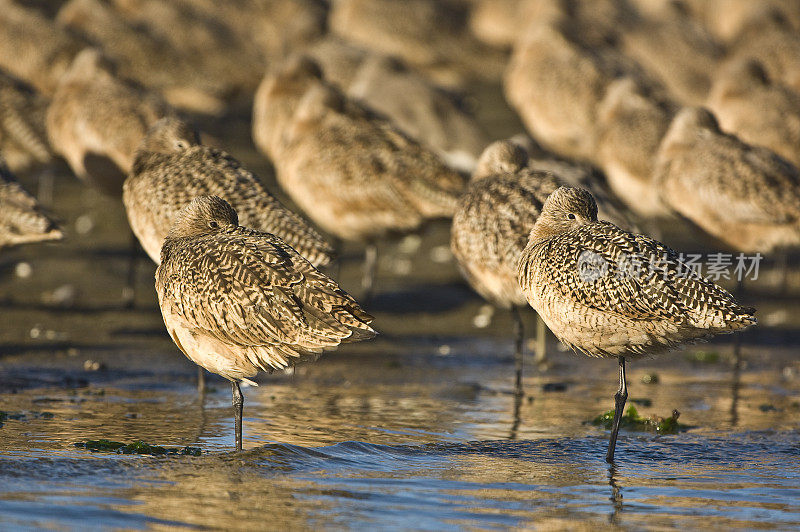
(401, 266)
(23, 270)
(84, 224)
(481, 321)
(409, 244)
(441, 254)
(93, 365)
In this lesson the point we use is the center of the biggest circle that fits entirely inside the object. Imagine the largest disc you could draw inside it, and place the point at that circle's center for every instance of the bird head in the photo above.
(169, 135)
(202, 216)
(501, 157)
(565, 209)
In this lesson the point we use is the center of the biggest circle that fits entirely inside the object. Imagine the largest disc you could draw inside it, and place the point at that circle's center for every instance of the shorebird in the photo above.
(756, 109)
(746, 196)
(21, 218)
(592, 284)
(172, 167)
(676, 49)
(96, 121)
(771, 38)
(23, 139)
(34, 49)
(417, 106)
(491, 227)
(145, 58)
(630, 126)
(555, 82)
(237, 301)
(429, 34)
(351, 171)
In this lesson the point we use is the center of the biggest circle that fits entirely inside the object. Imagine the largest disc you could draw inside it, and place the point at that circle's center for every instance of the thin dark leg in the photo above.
(238, 403)
(737, 340)
(129, 292)
(782, 264)
(540, 352)
(519, 339)
(370, 265)
(736, 384)
(201, 381)
(516, 416)
(45, 188)
(619, 404)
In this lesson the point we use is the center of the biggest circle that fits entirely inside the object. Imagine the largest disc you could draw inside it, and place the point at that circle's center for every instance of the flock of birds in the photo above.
(640, 109)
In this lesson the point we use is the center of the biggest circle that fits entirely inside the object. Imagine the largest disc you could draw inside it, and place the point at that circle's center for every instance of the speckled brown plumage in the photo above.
(172, 168)
(756, 109)
(21, 218)
(494, 218)
(350, 170)
(744, 195)
(769, 37)
(34, 49)
(23, 139)
(615, 308)
(96, 121)
(238, 301)
(412, 102)
(577, 174)
(144, 57)
(676, 49)
(630, 126)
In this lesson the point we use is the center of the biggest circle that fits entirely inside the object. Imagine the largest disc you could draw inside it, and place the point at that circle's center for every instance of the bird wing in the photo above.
(249, 289)
(612, 270)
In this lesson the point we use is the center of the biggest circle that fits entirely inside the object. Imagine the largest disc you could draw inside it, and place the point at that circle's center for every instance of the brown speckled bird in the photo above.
(21, 218)
(23, 139)
(172, 168)
(33, 48)
(630, 126)
(676, 49)
(238, 301)
(412, 102)
(96, 121)
(746, 196)
(592, 284)
(491, 227)
(756, 109)
(351, 171)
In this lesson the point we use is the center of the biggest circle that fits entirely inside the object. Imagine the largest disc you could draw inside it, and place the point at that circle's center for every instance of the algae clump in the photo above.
(631, 420)
(137, 447)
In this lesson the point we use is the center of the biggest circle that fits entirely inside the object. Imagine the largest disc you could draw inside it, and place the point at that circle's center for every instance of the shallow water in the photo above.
(425, 441)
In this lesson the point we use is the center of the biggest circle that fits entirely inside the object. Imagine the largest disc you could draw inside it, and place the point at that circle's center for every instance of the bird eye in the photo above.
(571, 216)
(213, 225)
(180, 144)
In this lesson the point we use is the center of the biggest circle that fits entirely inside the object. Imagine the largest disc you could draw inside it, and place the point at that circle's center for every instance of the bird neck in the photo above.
(542, 231)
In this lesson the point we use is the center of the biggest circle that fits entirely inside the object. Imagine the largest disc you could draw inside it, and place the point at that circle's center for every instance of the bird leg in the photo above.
(540, 351)
(129, 292)
(370, 265)
(519, 338)
(238, 403)
(619, 404)
(201, 381)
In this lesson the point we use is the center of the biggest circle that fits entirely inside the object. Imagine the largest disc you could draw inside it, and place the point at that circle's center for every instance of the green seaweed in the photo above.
(650, 378)
(137, 447)
(631, 420)
(703, 357)
(22, 416)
